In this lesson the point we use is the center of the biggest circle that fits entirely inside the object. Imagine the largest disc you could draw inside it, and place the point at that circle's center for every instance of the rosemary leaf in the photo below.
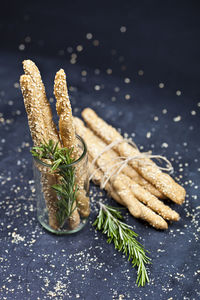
(67, 188)
(109, 221)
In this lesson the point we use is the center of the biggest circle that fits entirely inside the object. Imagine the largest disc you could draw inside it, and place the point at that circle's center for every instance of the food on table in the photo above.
(129, 176)
(43, 129)
(146, 167)
(123, 189)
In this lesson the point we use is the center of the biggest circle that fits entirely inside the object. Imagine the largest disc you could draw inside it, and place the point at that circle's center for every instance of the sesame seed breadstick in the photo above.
(129, 201)
(95, 142)
(151, 201)
(83, 200)
(83, 203)
(132, 173)
(97, 178)
(120, 185)
(50, 196)
(32, 70)
(120, 193)
(32, 106)
(104, 162)
(64, 110)
(68, 137)
(39, 133)
(146, 167)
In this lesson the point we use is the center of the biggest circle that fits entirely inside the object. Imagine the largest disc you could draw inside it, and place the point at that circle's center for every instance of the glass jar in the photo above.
(63, 211)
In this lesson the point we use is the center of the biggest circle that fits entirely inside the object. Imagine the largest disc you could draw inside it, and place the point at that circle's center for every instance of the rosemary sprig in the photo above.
(67, 188)
(123, 237)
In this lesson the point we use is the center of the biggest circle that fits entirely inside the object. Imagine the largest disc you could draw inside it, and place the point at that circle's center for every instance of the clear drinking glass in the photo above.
(53, 211)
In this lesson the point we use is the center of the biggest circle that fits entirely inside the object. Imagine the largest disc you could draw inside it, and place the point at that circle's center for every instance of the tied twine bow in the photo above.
(123, 161)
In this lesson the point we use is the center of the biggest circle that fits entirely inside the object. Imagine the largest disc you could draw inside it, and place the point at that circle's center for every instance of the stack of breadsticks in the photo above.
(139, 184)
(43, 128)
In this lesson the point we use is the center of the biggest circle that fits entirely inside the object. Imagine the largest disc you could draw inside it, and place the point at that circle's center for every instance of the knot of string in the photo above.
(122, 162)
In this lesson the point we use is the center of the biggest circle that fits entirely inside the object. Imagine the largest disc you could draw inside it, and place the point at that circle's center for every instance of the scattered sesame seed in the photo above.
(97, 87)
(127, 97)
(161, 85)
(89, 36)
(116, 89)
(178, 93)
(177, 119)
(21, 47)
(193, 113)
(16, 85)
(148, 135)
(140, 72)
(109, 71)
(84, 73)
(79, 48)
(123, 29)
(164, 145)
(164, 111)
(127, 80)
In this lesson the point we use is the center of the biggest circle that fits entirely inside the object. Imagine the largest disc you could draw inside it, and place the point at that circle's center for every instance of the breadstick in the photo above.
(97, 178)
(123, 195)
(31, 69)
(128, 197)
(64, 110)
(94, 142)
(139, 192)
(50, 196)
(122, 184)
(68, 136)
(150, 200)
(132, 205)
(39, 134)
(83, 200)
(31, 103)
(105, 161)
(147, 168)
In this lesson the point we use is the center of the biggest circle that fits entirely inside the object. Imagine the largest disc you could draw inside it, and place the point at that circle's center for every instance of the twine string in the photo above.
(122, 162)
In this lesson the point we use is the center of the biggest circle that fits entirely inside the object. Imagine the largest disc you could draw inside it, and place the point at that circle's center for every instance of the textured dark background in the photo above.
(159, 53)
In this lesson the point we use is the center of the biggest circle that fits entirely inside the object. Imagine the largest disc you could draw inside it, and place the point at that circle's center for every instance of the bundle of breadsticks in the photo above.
(137, 184)
(43, 128)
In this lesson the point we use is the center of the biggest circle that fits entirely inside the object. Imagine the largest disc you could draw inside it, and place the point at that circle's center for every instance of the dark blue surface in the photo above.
(162, 39)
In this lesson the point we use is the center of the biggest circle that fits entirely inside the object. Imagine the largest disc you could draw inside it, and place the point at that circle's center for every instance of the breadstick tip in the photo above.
(60, 75)
(27, 62)
(61, 92)
(88, 111)
(29, 65)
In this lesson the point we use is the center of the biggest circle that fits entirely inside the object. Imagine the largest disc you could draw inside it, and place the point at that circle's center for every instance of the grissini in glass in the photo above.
(62, 209)
(68, 136)
(43, 132)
